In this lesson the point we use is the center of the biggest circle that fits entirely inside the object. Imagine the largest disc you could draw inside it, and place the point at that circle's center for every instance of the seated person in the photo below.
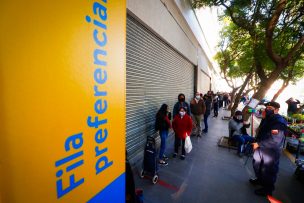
(237, 128)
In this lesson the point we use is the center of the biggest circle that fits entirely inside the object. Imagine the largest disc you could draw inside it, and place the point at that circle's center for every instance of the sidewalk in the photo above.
(214, 174)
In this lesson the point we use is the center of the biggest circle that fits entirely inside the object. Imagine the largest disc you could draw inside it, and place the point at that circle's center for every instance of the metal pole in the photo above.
(252, 124)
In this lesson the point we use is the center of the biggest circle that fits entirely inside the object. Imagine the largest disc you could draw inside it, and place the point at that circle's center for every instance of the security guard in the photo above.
(267, 149)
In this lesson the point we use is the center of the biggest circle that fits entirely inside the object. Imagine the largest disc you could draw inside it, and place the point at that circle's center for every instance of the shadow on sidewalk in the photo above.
(214, 174)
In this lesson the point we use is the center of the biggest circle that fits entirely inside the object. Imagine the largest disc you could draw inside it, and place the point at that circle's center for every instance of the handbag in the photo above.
(188, 144)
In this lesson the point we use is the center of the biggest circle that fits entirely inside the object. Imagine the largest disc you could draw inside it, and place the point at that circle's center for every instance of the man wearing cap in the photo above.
(267, 149)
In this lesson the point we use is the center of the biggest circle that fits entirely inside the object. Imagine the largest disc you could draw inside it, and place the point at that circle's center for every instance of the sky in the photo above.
(295, 91)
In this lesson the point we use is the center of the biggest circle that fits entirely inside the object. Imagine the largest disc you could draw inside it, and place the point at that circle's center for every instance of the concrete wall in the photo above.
(163, 18)
(192, 21)
(176, 23)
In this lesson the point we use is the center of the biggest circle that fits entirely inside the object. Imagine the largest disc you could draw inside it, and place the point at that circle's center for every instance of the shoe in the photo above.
(174, 155)
(163, 163)
(262, 192)
(205, 131)
(182, 157)
(255, 181)
(165, 158)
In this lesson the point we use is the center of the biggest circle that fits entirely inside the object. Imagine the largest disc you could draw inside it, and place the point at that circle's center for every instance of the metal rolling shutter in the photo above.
(156, 74)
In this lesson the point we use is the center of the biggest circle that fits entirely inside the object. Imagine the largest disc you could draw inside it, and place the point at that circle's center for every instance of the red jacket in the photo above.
(181, 126)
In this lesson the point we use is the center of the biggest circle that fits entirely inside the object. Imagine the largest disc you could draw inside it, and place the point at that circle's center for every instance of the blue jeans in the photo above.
(206, 122)
(163, 136)
(242, 139)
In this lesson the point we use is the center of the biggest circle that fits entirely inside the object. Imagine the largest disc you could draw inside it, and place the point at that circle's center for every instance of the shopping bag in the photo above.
(188, 144)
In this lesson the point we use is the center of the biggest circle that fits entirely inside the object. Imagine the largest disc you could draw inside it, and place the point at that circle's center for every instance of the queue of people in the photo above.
(266, 145)
(186, 121)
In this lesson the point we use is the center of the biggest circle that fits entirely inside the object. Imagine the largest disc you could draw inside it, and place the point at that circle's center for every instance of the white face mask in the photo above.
(198, 97)
(182, 113)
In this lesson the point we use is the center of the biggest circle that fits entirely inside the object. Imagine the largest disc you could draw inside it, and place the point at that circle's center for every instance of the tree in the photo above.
(276, 28)
(236, 61)
(225, 58)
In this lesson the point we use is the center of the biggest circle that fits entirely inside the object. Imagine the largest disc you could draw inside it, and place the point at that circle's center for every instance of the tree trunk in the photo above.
(259, 95)
(285, 84)
(232, 97)
(236, 102)
(239, 95)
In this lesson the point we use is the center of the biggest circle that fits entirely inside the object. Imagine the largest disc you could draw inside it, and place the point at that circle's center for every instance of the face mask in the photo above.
(239, 117)
(197, 97)
(269, 112)
(182, 113)
(182, 99)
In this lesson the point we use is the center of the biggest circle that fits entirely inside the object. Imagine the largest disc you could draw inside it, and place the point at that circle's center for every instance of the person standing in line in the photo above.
(182, 126)
(267, 149)
(215, 105)
(208, 103)
(162, 124)
(198, 108)
(225, 100)
(220, 96)
(181, 103)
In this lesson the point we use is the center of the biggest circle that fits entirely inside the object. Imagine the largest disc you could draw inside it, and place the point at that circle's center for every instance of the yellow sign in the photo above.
(62, 75)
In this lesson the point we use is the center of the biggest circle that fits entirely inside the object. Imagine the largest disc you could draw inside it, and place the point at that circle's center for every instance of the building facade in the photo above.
(167, 54)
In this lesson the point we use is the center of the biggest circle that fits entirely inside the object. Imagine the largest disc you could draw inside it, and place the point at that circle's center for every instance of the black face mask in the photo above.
(237, 120)
(269, 112)
(182, 99)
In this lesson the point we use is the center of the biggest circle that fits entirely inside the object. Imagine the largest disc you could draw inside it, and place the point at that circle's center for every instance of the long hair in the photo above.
(162, 111)
(160, 116)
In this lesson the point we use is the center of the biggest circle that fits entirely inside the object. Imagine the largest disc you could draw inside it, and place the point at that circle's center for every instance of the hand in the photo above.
(274, 132)
(255, 145)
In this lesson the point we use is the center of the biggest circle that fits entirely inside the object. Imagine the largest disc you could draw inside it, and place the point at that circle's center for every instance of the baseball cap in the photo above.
(238, 113)
(273, 104)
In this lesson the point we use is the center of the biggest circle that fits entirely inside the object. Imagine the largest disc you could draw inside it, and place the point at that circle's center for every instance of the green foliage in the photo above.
(252, 23)
(235, 57)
